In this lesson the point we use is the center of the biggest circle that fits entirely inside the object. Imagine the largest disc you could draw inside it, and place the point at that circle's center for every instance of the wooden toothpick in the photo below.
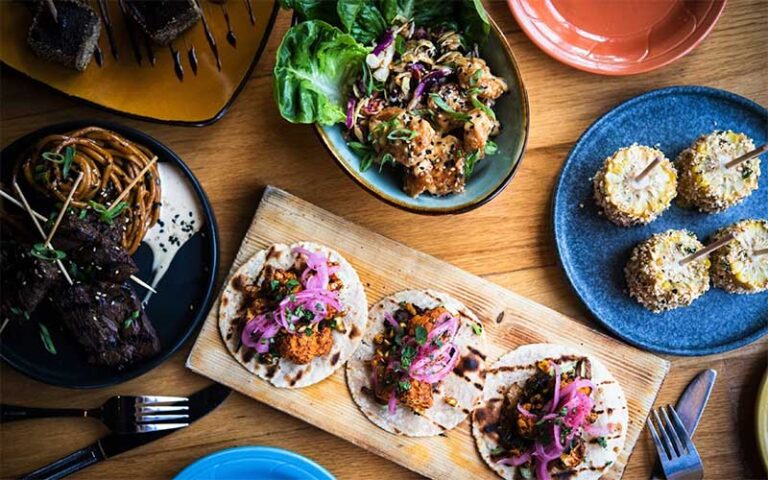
(132, 184)
(40, 229)
(54, 12)
(36, 215)
(747, 156)
(762, 251)
(707, 250)
(64, 207)
(656, 161)
(13, 200)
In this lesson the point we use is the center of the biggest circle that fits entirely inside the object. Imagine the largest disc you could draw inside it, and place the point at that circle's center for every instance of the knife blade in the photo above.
(200, 404)
(690, 406)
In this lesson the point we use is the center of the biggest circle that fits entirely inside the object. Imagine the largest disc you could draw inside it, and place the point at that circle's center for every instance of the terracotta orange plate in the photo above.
(192, 81)
(617, 37)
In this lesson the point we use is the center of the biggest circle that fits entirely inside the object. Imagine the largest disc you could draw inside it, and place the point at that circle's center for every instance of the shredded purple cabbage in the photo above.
(386, 40)
(351, 104)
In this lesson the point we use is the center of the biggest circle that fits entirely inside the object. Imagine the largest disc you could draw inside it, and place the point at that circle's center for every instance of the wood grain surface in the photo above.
(508, 242)
(386, 267)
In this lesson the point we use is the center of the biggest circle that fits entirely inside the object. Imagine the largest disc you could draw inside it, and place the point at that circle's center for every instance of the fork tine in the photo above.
(160, 399)
(160, 418)
(154, 427)
(680, 446)
(655, 436)
(141, 409)
(664, 436)
(685, 437)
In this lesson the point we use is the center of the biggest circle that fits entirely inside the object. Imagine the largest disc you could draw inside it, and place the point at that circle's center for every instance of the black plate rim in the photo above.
(211, 230)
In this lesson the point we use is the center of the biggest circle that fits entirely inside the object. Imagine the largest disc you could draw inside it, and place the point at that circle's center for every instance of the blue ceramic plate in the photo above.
(593, 251)
(249, 463)
(491, 175)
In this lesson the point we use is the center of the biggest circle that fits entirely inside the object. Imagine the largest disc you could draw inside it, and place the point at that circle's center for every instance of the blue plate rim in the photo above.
(561, 254)
(213, 231)
(253, 449)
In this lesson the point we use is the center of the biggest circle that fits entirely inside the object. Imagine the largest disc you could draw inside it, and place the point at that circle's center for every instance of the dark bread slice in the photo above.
(69, 40)
(164, 20)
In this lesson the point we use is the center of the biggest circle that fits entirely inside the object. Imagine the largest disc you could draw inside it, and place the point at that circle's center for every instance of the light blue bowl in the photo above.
(491, 175)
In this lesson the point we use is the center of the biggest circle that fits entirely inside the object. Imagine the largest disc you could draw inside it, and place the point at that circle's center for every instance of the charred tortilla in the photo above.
(508, 377)
(453, 397)
(285, 373)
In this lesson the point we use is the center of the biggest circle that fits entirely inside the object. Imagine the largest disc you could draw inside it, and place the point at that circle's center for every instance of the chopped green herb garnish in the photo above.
(45, 336)
(53, 157)
(106, 214)
(409, 352)
(746, 172)
(478, 104)
(602, 442)
(447, 108)
(274, 285)
(404, 385)
(421, 335)
(400, 45)
(69, 156)
(292, 283)
(386, 159)
(526, 473)
(308, 332)
(477, 328)
(82, 214)
(42, 252)
(497, 451)
(491, 148)
(476, 76)
(403, 134)
(469, 163)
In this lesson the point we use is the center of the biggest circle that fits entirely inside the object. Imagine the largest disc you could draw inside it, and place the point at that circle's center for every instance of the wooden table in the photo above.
(508, 242)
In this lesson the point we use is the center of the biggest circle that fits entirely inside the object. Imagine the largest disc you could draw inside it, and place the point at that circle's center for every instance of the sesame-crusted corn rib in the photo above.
(735, 267)
(654, 274)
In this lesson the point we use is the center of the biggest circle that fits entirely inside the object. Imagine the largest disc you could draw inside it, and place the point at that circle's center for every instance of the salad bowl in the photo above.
(490, 176)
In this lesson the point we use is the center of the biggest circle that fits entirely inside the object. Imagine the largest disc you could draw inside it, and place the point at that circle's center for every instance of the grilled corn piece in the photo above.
(655, 277)
(705, 183)
(626, 201)
(735, 267)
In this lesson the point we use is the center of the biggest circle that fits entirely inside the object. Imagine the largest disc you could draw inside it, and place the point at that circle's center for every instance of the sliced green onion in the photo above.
(447, 108)
(469, 163)
(105, 214)
(404, 134)
(478, 104)
(475, 76)
(385, 159)
(42, 252)
(69, 156)
(53, 157)
(491, 148)
(45, 336)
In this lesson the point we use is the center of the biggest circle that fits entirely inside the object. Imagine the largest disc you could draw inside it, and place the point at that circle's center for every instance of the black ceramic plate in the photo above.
(184, 294)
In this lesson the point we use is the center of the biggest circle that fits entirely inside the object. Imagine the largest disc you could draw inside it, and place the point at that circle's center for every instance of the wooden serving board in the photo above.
(385, 267)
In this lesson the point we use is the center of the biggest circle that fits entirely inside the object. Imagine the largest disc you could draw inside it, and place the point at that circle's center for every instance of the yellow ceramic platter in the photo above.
(761, 414)
(192, 81)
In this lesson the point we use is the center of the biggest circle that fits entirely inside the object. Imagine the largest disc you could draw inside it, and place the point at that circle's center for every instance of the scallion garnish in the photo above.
(45, 336)
(447, 108)
(478, 104)
(421, 335)
(491, 148)
(69, 156)
(469, 163)
(477, 328)
(42, 252)
(105, 214)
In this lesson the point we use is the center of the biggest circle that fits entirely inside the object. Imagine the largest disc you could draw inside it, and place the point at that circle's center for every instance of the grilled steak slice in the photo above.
(95, 247)
(164, 20)
(108, 321)
(26, 280)
(70, 39)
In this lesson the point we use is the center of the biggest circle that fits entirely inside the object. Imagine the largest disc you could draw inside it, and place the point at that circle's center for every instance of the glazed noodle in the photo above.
(109, 163)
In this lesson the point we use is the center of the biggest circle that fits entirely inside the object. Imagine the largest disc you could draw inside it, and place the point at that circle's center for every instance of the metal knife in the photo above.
(200, 404)
(690, 406)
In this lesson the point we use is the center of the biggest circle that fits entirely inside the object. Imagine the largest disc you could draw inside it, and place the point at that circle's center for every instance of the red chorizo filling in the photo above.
(292, 313)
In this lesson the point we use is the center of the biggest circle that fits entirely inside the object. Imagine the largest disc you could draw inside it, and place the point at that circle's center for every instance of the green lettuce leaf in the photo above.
(468, 16)
(324, 10)
(315, 64)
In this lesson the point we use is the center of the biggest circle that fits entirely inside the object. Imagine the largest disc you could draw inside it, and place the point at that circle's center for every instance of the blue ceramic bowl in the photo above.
(594, 251)
(250, 463)
(491, 175)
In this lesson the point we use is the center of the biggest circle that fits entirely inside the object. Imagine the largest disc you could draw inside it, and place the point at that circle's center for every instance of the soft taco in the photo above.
(293, 314)
(418, 369)
(550, 411)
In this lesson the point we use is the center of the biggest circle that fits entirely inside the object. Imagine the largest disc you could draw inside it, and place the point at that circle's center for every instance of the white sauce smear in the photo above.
(180, 218)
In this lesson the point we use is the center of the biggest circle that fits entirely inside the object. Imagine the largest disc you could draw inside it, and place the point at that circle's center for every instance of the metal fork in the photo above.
(678, 455)
(121, 414)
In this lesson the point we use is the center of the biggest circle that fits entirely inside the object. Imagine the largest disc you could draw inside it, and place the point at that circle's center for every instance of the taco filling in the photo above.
(413, 354)
(544, 426)
(293, 311)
